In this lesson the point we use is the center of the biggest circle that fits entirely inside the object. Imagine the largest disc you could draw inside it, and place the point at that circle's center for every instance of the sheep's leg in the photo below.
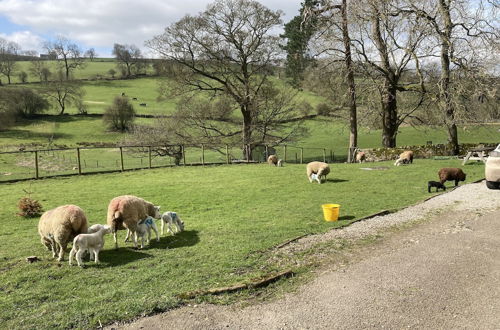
(72, 254)
(96, 255)
(79, 256)
(62, 250)
(128, 235)
(162, 225)
(116, 242)
(156, 232)
(135, 240)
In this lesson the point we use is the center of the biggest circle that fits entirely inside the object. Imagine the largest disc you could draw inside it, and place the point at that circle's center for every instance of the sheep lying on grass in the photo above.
(124, 212)
(93, 243)
(406, 157)
(451, 174)
(172, 219)
(57, 227)
(320, 170)
(144, 230)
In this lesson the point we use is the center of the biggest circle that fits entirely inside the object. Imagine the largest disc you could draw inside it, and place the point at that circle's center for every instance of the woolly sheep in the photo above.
(360, 157)
(320, 169)
(171, 219)
(406, 157)
(451, 174)
(272, 160)
(93, 243)
(57, 227)
(124, 212)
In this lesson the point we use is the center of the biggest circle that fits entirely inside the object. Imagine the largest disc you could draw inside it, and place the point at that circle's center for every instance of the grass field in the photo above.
(232, 215)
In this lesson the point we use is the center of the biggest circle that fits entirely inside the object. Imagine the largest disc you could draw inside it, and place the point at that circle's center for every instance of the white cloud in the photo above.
(26, 39)
(101, 23)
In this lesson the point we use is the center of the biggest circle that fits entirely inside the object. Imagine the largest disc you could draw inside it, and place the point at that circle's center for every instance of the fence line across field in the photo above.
(44, 163)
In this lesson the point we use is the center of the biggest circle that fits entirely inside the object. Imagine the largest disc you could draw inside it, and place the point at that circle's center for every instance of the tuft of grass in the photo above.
(232, 214)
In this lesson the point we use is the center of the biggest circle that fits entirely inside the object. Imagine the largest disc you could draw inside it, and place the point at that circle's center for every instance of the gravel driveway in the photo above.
(440, 273)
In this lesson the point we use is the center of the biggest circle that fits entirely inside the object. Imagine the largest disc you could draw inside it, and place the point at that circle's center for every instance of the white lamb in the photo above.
(144, 230)
(93, 242)
(171, 219)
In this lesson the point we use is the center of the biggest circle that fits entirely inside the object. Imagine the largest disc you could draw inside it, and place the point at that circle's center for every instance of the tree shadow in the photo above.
(182, 239)
(347, 217)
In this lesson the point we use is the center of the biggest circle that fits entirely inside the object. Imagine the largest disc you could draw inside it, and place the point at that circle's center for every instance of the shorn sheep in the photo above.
(451, 174)
(406, 157)
(319, 169)
(124, 212)
(93, 243)
(172, 219)
(57, 227)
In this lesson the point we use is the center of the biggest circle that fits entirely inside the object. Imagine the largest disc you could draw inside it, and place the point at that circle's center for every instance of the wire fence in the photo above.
(38, 164)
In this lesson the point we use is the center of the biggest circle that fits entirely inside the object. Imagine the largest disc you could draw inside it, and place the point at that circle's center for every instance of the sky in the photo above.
(99, 24)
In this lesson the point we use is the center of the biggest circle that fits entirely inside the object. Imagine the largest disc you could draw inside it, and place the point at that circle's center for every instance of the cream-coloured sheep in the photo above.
(406, 157)
(172, 219)
(124, 212)
(319, 169)
(93, 243)
(360, 157)
(57, 227)
(272, 160)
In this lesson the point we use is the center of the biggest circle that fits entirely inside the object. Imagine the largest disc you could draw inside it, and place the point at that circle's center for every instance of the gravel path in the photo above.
(438, 274)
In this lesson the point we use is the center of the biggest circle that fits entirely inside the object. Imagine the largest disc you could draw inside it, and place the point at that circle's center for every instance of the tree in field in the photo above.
(120, 115)
(129, 58)
(223, 58)
(23, 76)
(462, 35)
(24, 102)
(63, 93)
(91, 54)
(112, 72)
(68, 53)
(8, 58)
(39, 68)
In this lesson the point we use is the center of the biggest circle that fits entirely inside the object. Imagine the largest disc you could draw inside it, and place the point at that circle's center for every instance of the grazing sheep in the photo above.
(437, 185)
(451, 174)
(272, 160)
(57, 227)
(406, 157)
(93, 243)
(360, 157)
(320, 170)
(95, 228)
(124, 212)
(144, 228)
(172, 219)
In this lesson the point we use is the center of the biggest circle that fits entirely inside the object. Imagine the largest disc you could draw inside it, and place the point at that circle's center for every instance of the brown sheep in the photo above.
(451, 174)
(272, 160)
(58, 227)
(360, 157)
(124, 212)
(319, 169)
(406, 157)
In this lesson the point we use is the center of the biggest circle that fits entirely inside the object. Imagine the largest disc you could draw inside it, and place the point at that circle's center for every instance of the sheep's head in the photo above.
(181, 225)
(107, 229)
(157, 212)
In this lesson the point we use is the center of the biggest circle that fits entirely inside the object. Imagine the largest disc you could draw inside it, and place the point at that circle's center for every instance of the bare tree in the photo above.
(63, 92)
(129, 57)
(39, 68)
(8, 58)
(462, 33)
(226, 52)
(91, 54)
(68, 53)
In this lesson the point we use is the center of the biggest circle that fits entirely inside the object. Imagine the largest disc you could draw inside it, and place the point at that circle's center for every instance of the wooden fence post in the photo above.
(202, 154)
(301, 155)
(79, 162)
(267, 153)
(121, 158)
(36, 165)
(149, 155)
(284, 152)
(227, 154)
(324, 155)
(183, 155)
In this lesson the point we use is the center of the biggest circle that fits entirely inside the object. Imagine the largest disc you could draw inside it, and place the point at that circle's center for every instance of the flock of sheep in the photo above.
(57, 227)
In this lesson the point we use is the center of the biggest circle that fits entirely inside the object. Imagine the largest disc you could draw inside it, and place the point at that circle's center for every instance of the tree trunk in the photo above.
(389, 116)
(353, 122)
(247, 133)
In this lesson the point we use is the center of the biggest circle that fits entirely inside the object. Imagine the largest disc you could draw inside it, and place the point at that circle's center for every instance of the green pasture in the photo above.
(233, 215)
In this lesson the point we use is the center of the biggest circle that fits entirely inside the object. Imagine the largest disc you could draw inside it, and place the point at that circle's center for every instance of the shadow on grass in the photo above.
(347, 217)
(336, 180)
(185, 238)
(122, 256)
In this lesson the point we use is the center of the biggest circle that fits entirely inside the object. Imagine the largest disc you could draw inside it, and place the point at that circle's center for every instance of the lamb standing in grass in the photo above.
(406, 157)
(172, 219)
(144, 230)
(93, 243)
(320, 170)
(57, 227)
(125, 212)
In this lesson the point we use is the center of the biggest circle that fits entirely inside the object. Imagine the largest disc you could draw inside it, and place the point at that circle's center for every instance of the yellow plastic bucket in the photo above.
(331, 211)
